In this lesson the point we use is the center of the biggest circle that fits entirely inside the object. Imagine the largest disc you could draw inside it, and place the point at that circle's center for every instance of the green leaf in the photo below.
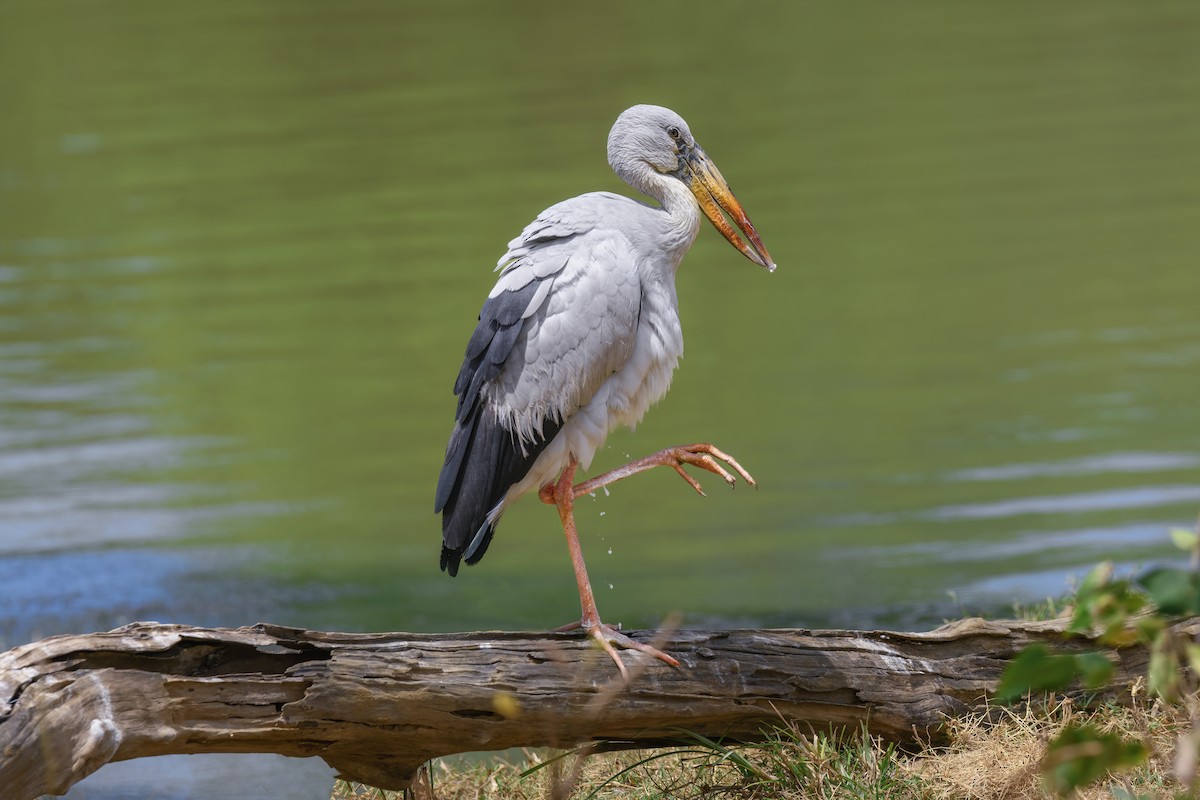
(1185, 539)
(1085, 595)
(1192, 651)
(1096, 579)
(1149, 627)
(1174, 591)
(1081, 754)
(1095, 669)
(1107, 604)
(1035, 669)
(1163, 676)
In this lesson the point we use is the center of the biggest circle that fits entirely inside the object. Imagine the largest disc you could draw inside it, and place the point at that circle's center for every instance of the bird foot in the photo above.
(609, 638)
(703, 455)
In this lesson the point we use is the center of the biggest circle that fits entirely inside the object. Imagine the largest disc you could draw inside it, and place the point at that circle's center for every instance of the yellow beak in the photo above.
(715, 197)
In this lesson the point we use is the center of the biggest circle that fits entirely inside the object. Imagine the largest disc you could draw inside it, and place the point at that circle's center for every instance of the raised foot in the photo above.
(609, 637)
(706, 457)
(703, 455)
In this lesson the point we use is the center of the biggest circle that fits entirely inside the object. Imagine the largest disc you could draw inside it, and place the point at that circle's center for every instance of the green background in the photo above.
(242, 246)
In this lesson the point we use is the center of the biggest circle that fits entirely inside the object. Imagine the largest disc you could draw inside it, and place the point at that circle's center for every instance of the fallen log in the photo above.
(377, 706)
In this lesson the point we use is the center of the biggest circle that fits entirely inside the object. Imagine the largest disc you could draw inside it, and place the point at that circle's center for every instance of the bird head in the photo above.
(661, 139)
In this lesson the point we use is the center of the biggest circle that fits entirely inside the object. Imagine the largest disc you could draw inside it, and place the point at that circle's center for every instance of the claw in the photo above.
(694, 483)
(702, 455)
(607, 636)
(712, 450)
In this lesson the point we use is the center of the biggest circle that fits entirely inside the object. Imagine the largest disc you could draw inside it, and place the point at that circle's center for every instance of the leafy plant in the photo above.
(1083, 753)
(1038, 669)
(1119, 612)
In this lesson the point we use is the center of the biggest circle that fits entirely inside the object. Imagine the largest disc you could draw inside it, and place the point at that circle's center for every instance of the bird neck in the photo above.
(683, 215)
(680, 206)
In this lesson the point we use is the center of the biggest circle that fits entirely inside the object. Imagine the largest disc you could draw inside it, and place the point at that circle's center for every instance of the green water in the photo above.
(242, 247)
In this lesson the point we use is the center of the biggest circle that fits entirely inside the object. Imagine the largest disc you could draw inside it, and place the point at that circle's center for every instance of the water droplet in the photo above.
(610, 551)
(605, 491)
(610, 586)
(602, 513)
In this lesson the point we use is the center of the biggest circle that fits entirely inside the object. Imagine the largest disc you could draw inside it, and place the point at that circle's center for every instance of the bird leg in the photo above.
(701, 455)
(562, 494)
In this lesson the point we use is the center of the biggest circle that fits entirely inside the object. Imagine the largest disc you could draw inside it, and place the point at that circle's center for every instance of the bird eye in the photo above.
(674, 133)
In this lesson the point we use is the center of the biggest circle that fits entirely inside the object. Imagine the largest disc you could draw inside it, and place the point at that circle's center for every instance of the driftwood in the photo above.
(376, 706)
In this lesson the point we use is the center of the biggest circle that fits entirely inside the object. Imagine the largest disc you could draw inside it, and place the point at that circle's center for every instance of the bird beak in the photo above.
(715, 197)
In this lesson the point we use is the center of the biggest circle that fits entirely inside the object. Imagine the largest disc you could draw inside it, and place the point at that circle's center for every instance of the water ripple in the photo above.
(1085, 543)
(1089, 465)
(1107, 500)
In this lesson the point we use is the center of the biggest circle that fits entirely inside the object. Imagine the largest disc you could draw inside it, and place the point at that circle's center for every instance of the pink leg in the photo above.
(563, 494)
(701, 455)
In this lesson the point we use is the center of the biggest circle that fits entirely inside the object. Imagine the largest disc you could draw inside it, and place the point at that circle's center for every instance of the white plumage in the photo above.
(601, 347)
(581, 335)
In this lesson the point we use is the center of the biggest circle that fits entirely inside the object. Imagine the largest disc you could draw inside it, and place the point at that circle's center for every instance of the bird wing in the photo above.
(560, 320)
(581, 333)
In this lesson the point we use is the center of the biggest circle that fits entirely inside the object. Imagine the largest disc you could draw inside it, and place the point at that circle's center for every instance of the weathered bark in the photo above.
(376, 706)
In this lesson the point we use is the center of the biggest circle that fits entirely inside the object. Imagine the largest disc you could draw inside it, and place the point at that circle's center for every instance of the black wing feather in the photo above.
(483, 458)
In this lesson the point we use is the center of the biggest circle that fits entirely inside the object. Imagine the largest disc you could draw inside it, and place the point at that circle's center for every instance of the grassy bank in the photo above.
(1000, 758)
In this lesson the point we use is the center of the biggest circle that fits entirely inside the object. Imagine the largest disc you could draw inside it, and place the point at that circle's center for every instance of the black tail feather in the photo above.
(484, 458)
(483, 461)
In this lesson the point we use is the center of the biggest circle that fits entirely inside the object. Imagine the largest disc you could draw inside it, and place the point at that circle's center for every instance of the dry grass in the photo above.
(989, 757)
(999, 759)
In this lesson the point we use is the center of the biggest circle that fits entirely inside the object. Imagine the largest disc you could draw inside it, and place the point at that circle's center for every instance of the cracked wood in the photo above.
(376, 706)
